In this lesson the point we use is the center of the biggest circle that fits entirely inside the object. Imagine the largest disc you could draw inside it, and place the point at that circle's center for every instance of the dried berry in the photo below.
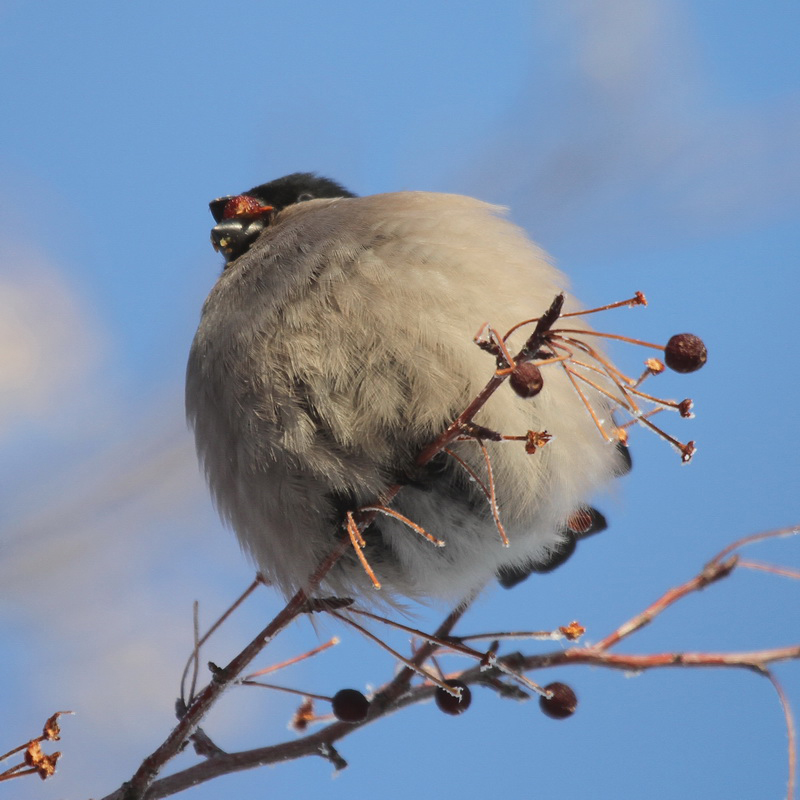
(454, 705)
(536, 439)
(573, 631)
(563, 702)
(526, 379)
(242, 205)
(304, 716)
(349, 705)
(685, 352)
(685, 408)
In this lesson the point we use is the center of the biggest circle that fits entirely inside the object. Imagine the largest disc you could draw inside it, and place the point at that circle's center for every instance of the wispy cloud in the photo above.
(626, 132)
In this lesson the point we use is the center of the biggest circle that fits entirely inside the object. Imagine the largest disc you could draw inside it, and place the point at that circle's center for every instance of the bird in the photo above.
(337, 343)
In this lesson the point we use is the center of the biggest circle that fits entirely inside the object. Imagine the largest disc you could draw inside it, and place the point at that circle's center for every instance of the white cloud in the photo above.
(49, 340)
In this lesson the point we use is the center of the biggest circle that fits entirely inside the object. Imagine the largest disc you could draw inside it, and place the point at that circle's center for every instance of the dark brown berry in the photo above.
(454, 705)
(349, 705)
(563, 702)
(526, 379)
(685, 352)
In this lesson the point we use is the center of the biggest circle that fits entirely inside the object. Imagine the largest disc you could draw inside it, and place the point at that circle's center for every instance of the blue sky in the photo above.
(648, 145)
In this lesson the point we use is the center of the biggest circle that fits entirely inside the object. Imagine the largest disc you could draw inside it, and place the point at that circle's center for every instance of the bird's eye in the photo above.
(305, 196)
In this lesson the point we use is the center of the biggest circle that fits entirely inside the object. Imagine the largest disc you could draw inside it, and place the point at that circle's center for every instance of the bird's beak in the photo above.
(217, 207)
(234, 237)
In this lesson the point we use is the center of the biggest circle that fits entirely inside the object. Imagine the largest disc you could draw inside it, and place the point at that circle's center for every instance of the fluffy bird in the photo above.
(337, 344)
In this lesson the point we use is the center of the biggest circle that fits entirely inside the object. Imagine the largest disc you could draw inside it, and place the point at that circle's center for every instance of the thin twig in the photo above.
(277, 688)
(752, 659)
(194, 657)
(390, 512)
(200, 705)
(409, 663)
(402, 696)
(791, 733)
(617, 336)
(450, 643)
(493, 495)
(784, 572)
(586, 403)
(710, 574)
(777, 533)
(291, 661)
(637, 300)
